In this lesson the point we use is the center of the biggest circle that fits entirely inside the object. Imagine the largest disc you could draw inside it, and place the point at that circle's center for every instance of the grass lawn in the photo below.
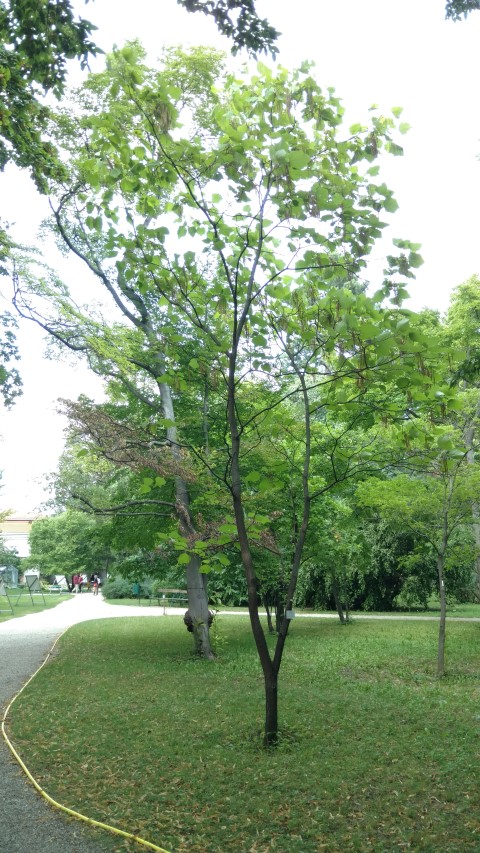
(376, 754)
(25, 605)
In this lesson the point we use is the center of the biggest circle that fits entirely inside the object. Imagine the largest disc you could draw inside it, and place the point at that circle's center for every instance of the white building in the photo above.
(15, 531)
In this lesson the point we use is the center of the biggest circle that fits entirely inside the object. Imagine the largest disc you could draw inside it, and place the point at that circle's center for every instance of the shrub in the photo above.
(117, 587)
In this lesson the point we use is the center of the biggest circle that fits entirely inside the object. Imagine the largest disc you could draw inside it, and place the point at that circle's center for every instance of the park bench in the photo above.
(168, 597)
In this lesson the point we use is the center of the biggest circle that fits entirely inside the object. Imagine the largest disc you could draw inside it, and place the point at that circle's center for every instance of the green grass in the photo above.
(375, 754)
(25, 606)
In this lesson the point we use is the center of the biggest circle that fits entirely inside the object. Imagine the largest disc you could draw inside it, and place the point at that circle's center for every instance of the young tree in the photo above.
(235, 226)
(434, 505)
(462, 329)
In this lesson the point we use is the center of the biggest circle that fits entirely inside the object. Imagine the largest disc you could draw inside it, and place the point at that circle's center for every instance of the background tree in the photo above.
(130, 508)
(37, 39)
(66, 544)
(434, 505)
(457, 9)
(239, 21)
(462, 326)
(8, 556)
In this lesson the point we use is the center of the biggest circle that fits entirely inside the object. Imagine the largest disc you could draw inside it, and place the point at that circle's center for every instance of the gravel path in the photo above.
(27, 822)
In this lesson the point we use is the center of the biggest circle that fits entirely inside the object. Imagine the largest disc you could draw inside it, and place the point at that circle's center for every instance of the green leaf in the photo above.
(183, 559)
(415, 260)
(299, 159)
(444, 442)
(390, 205)
(228, 528)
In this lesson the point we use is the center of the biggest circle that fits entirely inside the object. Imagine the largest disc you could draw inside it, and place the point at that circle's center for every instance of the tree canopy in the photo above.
(37, 38)
(457, 9)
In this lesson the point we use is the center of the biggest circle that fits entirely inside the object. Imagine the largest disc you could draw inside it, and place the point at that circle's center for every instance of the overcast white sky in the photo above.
(387, 52)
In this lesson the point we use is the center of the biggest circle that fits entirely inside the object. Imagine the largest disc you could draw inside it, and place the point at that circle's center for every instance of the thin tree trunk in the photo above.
(270, 673)
(271, 629)
(443, 617)
(279, 610)
(205, 418)
(338, 603)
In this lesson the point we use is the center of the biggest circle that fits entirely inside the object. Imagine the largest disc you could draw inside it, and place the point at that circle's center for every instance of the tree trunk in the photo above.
(279, 610)
(338, 603)
(271, 708)
(338, 600)
(198, 609)
(271, 629)
(469, 436)
(443, 618)
(196, 588)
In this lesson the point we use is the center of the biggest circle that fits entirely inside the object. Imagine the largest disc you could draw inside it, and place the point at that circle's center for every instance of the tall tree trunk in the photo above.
(196, 588)
(338, 603)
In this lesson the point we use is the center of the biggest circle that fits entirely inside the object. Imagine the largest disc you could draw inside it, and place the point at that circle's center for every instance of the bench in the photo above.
(168, 597)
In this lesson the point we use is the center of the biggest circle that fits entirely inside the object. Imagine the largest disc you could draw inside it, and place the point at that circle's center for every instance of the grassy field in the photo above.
(375, 755)
(25, 606)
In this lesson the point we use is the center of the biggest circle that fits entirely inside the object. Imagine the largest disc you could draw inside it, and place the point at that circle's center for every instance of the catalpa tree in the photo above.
(234, 220)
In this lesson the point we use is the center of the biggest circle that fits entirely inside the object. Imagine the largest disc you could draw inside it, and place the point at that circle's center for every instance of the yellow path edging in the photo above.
(44, 794)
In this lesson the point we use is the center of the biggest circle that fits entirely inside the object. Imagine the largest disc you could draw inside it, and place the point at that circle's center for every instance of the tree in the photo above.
(237, 230)
(129, 523)
(238, 20)
(462, 329)
(458, 9)
(37, 39)
(66, 544)
(8, 556)
(434, 505)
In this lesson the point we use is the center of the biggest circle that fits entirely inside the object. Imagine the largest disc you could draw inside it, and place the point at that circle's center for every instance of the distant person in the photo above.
(77, 583)
(95, 585)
